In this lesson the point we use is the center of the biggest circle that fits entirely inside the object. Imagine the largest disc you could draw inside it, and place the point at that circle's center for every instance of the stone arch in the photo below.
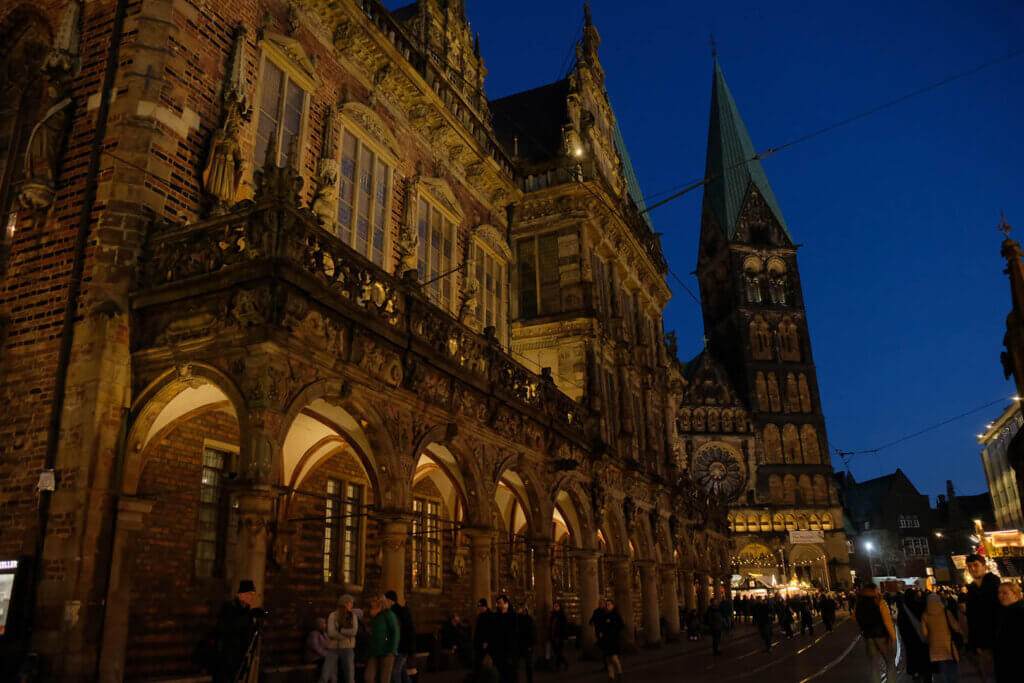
(772, 444)
(525, 486)
(792, 394)
(180, 393)
(577, 510)
(761, 390)
(805, 393)
(809, 442)
(806, 491)
(820, 490)
(775, 494)
(789, 489)
(791, 445)
(760, 339)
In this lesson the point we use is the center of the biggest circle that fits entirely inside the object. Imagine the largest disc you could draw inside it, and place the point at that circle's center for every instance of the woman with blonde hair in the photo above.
(941, 631)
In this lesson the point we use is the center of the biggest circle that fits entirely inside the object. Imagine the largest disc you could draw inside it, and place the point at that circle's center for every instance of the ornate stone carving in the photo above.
(719, 470)
(379, 361)
(225, 164)
(325, 196)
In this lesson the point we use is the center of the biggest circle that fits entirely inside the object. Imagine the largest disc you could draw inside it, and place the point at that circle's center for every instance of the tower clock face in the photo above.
(718, 469)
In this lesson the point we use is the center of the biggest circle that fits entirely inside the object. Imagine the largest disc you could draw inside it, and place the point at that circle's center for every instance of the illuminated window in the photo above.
(212, 525)
(491, 276)
(364, 199)
(436, 254)
(281, 113)
(343, 533)
(916, 546)
(539, 279)
(426, 543)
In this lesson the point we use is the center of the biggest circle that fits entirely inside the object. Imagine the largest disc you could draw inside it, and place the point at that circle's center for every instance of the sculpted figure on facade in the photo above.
(225, 163)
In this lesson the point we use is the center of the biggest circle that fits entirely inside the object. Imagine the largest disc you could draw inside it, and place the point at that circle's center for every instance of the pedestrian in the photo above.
(406, 657)
(726, 607)
(597, 620)
(716, 624)
(384, 635)
(558, 633)
(316, 644)
(342, 628)
(763, 620)
(1010, 634)
(455, 638)
(908, 624)
(828, 611)
(786, 618)
(806, 617)
(982, 612)
(938, 627)
(236, 632)
(693, 625)
(609, 639)
(875, 623)
(504, 644)
(526, 629)
(481, 635)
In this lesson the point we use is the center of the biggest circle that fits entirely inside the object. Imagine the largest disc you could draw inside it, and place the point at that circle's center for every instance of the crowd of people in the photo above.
(979, 626)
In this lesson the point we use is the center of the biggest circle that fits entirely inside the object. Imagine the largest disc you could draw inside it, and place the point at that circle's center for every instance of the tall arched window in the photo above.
(773, 393)
(761, 389)
(805, 394)
(792, 394)
(806, 491)
(777, 284)
(775, 489)
(791, 445)
(815, 523)
(766, 522)
(789, 341)
(790, 523)
(789, 490)
(809, 441)
(826, 522)
(753, 271)
(772, 444)
(820, 490)
(760, 339)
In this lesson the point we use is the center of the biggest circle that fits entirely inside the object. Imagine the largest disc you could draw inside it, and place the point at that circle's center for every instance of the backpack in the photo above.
(869, 619)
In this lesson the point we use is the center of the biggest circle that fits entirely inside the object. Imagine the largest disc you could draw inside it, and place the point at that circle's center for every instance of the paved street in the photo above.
(836, 657)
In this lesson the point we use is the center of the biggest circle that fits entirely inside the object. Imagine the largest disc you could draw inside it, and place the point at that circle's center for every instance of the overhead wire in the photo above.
(696, 183)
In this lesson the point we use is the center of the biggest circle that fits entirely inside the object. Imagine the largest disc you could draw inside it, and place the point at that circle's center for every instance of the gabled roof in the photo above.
(536, 117)
(865, 498)
(730, 162)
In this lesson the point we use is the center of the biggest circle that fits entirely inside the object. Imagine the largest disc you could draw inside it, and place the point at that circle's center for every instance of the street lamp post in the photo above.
(869, 546)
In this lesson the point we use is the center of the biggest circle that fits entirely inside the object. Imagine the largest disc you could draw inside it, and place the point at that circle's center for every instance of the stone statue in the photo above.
(43, 155)
(225, 164)
(325, 195)
(470, 301)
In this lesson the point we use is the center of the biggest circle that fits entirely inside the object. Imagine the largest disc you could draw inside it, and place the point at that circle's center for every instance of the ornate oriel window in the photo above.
(287, 77)
(436, 257)
(426, 543)
(343, 533)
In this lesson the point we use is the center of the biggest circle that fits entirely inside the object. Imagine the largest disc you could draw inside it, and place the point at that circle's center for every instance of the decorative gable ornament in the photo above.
(441, 191)
(290, 54)
(495, 240)
(366, 119)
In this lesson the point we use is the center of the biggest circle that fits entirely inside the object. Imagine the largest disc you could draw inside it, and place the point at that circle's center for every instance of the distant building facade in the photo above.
(1003, 487)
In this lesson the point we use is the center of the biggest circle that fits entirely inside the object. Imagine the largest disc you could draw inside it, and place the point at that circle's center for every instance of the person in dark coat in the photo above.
(406, 656)
(762, 615)
(609, 638)
(1009, 634)
(693, 625)
(828, 611)
(806, 617)
(558, 629)
(716, 624)
(527, 632)
(786, 618)
(481, 636)
(455, 637)
(504, 644)
(982, 609)
(235, 631)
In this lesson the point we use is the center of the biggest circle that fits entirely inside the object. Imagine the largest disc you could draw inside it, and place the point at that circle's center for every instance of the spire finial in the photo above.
(1004, 227)
(714, 46)
(587, 20)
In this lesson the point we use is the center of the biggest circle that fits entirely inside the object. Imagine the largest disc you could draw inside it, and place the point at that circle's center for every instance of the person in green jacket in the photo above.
(383, 642)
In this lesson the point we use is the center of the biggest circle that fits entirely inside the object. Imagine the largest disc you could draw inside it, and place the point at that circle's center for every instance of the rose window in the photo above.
(718, 470)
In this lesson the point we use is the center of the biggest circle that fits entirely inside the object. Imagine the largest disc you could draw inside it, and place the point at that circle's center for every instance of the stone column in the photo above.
(542, 589)
(480, 547)
(670, 601)
(649, 595)
(131, 514)
(394, 534)
(690, 591)
(623, 577)
(590, 592)
(702, 593)
(252, 514)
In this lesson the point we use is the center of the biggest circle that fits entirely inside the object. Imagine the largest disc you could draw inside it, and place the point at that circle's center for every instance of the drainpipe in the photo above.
(71, 305)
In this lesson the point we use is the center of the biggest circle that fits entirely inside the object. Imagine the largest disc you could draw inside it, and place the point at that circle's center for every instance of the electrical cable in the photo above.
(846, 454)
(694, 184)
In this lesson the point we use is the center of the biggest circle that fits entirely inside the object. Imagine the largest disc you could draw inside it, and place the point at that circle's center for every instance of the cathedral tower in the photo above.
(756, 327)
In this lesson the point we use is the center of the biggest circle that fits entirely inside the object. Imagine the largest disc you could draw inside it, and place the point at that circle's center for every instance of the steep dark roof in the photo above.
(864, 498)
(729, 164)
(536, 117)
(405, 13)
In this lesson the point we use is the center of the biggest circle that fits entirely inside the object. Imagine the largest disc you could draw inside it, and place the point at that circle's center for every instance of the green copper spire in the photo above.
(728, 162)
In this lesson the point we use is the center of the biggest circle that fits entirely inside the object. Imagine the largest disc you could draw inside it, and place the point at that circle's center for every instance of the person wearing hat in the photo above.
(234, 633)
(406, 639)
(481, 635)
(342, 627)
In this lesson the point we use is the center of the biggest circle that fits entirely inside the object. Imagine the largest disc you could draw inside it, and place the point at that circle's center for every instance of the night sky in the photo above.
(897, 213)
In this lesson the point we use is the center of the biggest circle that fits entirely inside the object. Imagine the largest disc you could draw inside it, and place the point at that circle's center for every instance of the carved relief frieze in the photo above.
(378, 359)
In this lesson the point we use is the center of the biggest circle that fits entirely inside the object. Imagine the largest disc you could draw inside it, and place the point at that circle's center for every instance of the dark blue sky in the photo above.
(897, 213)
